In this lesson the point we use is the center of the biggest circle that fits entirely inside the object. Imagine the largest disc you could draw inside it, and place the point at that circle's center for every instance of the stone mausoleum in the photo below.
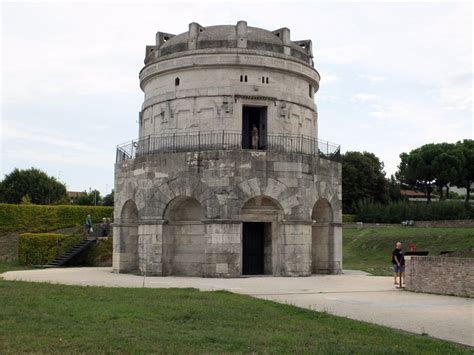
(228, 176)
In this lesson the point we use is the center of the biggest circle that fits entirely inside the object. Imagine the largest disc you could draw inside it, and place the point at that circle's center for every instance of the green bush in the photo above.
(101, 253)
(397, 212)
(348, 218)
(36, 218)
(41, 249)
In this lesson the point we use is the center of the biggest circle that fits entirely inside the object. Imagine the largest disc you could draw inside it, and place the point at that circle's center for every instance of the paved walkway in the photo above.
(353, 295)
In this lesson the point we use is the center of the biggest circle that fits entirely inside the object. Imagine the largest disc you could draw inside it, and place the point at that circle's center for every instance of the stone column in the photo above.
(223, 249)
(335, 248)
(241, 34)
(285, 37)
(294, 249)
(150, 248)
(193, 35)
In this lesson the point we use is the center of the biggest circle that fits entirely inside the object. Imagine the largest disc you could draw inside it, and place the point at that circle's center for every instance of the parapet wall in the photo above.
(443, 275)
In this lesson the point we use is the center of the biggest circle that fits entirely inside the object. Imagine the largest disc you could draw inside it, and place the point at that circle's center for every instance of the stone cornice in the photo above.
(226, 60)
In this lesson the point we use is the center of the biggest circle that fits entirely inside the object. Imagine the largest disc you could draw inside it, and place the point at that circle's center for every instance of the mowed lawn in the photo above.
(370, 249)
(44, 318)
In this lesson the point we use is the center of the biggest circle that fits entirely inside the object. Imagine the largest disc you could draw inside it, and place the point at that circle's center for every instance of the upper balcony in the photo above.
(227, 140)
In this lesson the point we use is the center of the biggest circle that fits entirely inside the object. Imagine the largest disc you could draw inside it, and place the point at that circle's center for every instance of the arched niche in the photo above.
(322, 211)
(184, 208)
(127, 238)
(184, 237)
(322, 237)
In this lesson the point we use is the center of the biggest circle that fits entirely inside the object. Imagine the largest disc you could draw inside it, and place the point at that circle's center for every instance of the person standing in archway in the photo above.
(398, 261)
(254, 137)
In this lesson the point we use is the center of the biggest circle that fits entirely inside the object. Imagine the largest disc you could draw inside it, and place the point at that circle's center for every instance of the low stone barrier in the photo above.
(442, 275)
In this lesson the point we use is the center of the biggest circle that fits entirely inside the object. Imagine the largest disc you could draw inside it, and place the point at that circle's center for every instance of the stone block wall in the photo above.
(221, 190)
(442, 275)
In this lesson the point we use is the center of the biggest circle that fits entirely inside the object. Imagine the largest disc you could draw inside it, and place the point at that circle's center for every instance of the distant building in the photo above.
(461, 190)
(73, 194)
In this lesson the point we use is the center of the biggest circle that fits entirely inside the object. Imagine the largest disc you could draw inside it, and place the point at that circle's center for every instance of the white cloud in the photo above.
(345, 54)
(364, 98)
(58, 53)
(14, 134)
(329, 78)
(373, 79)
(455, 93)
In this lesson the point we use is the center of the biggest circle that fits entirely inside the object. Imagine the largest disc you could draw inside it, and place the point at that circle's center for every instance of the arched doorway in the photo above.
(127, 238)
(260, 232)
(184, 238)
(322, 237)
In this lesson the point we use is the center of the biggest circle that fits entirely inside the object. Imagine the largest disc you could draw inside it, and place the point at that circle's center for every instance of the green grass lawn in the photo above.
(44, 318)
(370, 249)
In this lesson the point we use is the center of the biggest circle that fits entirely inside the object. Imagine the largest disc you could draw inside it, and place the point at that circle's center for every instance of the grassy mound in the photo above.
(370, 249)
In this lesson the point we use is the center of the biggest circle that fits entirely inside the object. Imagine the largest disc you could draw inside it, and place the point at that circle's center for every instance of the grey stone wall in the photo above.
(222, 182)
(443, 275)
(184, 213)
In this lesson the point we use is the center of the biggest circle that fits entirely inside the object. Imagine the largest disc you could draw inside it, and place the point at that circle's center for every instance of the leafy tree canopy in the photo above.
(440, 165)
(31, 186)
(465, 178)
(108, 200)
(363, 178)
(91, 198)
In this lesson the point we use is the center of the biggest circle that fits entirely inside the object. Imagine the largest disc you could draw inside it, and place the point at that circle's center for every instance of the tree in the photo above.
(40, 188)
(394, 189)
(448, 165)
(108, 200)
(416, 168)
(438, 165)
(363, 178)
(466, 174)
(91, 198)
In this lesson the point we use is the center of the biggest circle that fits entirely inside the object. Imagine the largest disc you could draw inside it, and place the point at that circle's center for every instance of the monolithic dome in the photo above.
(228, 176)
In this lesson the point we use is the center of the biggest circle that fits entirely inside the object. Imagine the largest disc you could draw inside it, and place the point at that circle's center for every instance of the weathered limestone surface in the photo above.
(212, 246)
(183, 213)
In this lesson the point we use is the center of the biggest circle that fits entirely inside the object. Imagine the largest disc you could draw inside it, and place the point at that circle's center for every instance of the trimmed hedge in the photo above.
(39, 218)
(417, 211)
(41, 249)
(348, 218)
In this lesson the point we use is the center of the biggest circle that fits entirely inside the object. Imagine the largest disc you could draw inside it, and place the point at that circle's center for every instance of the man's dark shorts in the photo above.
(397, 268)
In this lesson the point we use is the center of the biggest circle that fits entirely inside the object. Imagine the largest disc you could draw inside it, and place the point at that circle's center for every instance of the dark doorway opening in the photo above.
(255, 244)
(254, 116)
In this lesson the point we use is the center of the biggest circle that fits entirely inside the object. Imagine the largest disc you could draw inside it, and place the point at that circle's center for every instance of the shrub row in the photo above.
(418, 211)
(39, 218)
(348, 218)
(41, 249)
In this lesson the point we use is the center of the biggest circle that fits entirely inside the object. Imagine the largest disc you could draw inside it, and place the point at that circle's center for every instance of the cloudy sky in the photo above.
(394, 75)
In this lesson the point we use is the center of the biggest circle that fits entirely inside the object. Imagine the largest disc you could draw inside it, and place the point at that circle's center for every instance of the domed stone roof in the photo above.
(229, 36)
(225, 33)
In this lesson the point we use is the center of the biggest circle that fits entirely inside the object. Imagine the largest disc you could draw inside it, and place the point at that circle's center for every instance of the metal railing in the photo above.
(226, 140)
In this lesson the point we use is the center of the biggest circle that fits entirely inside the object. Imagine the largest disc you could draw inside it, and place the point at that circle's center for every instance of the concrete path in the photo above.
(353, 295)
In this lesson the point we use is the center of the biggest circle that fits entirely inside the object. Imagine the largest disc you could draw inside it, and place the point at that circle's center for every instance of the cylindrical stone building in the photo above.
(228, 176)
